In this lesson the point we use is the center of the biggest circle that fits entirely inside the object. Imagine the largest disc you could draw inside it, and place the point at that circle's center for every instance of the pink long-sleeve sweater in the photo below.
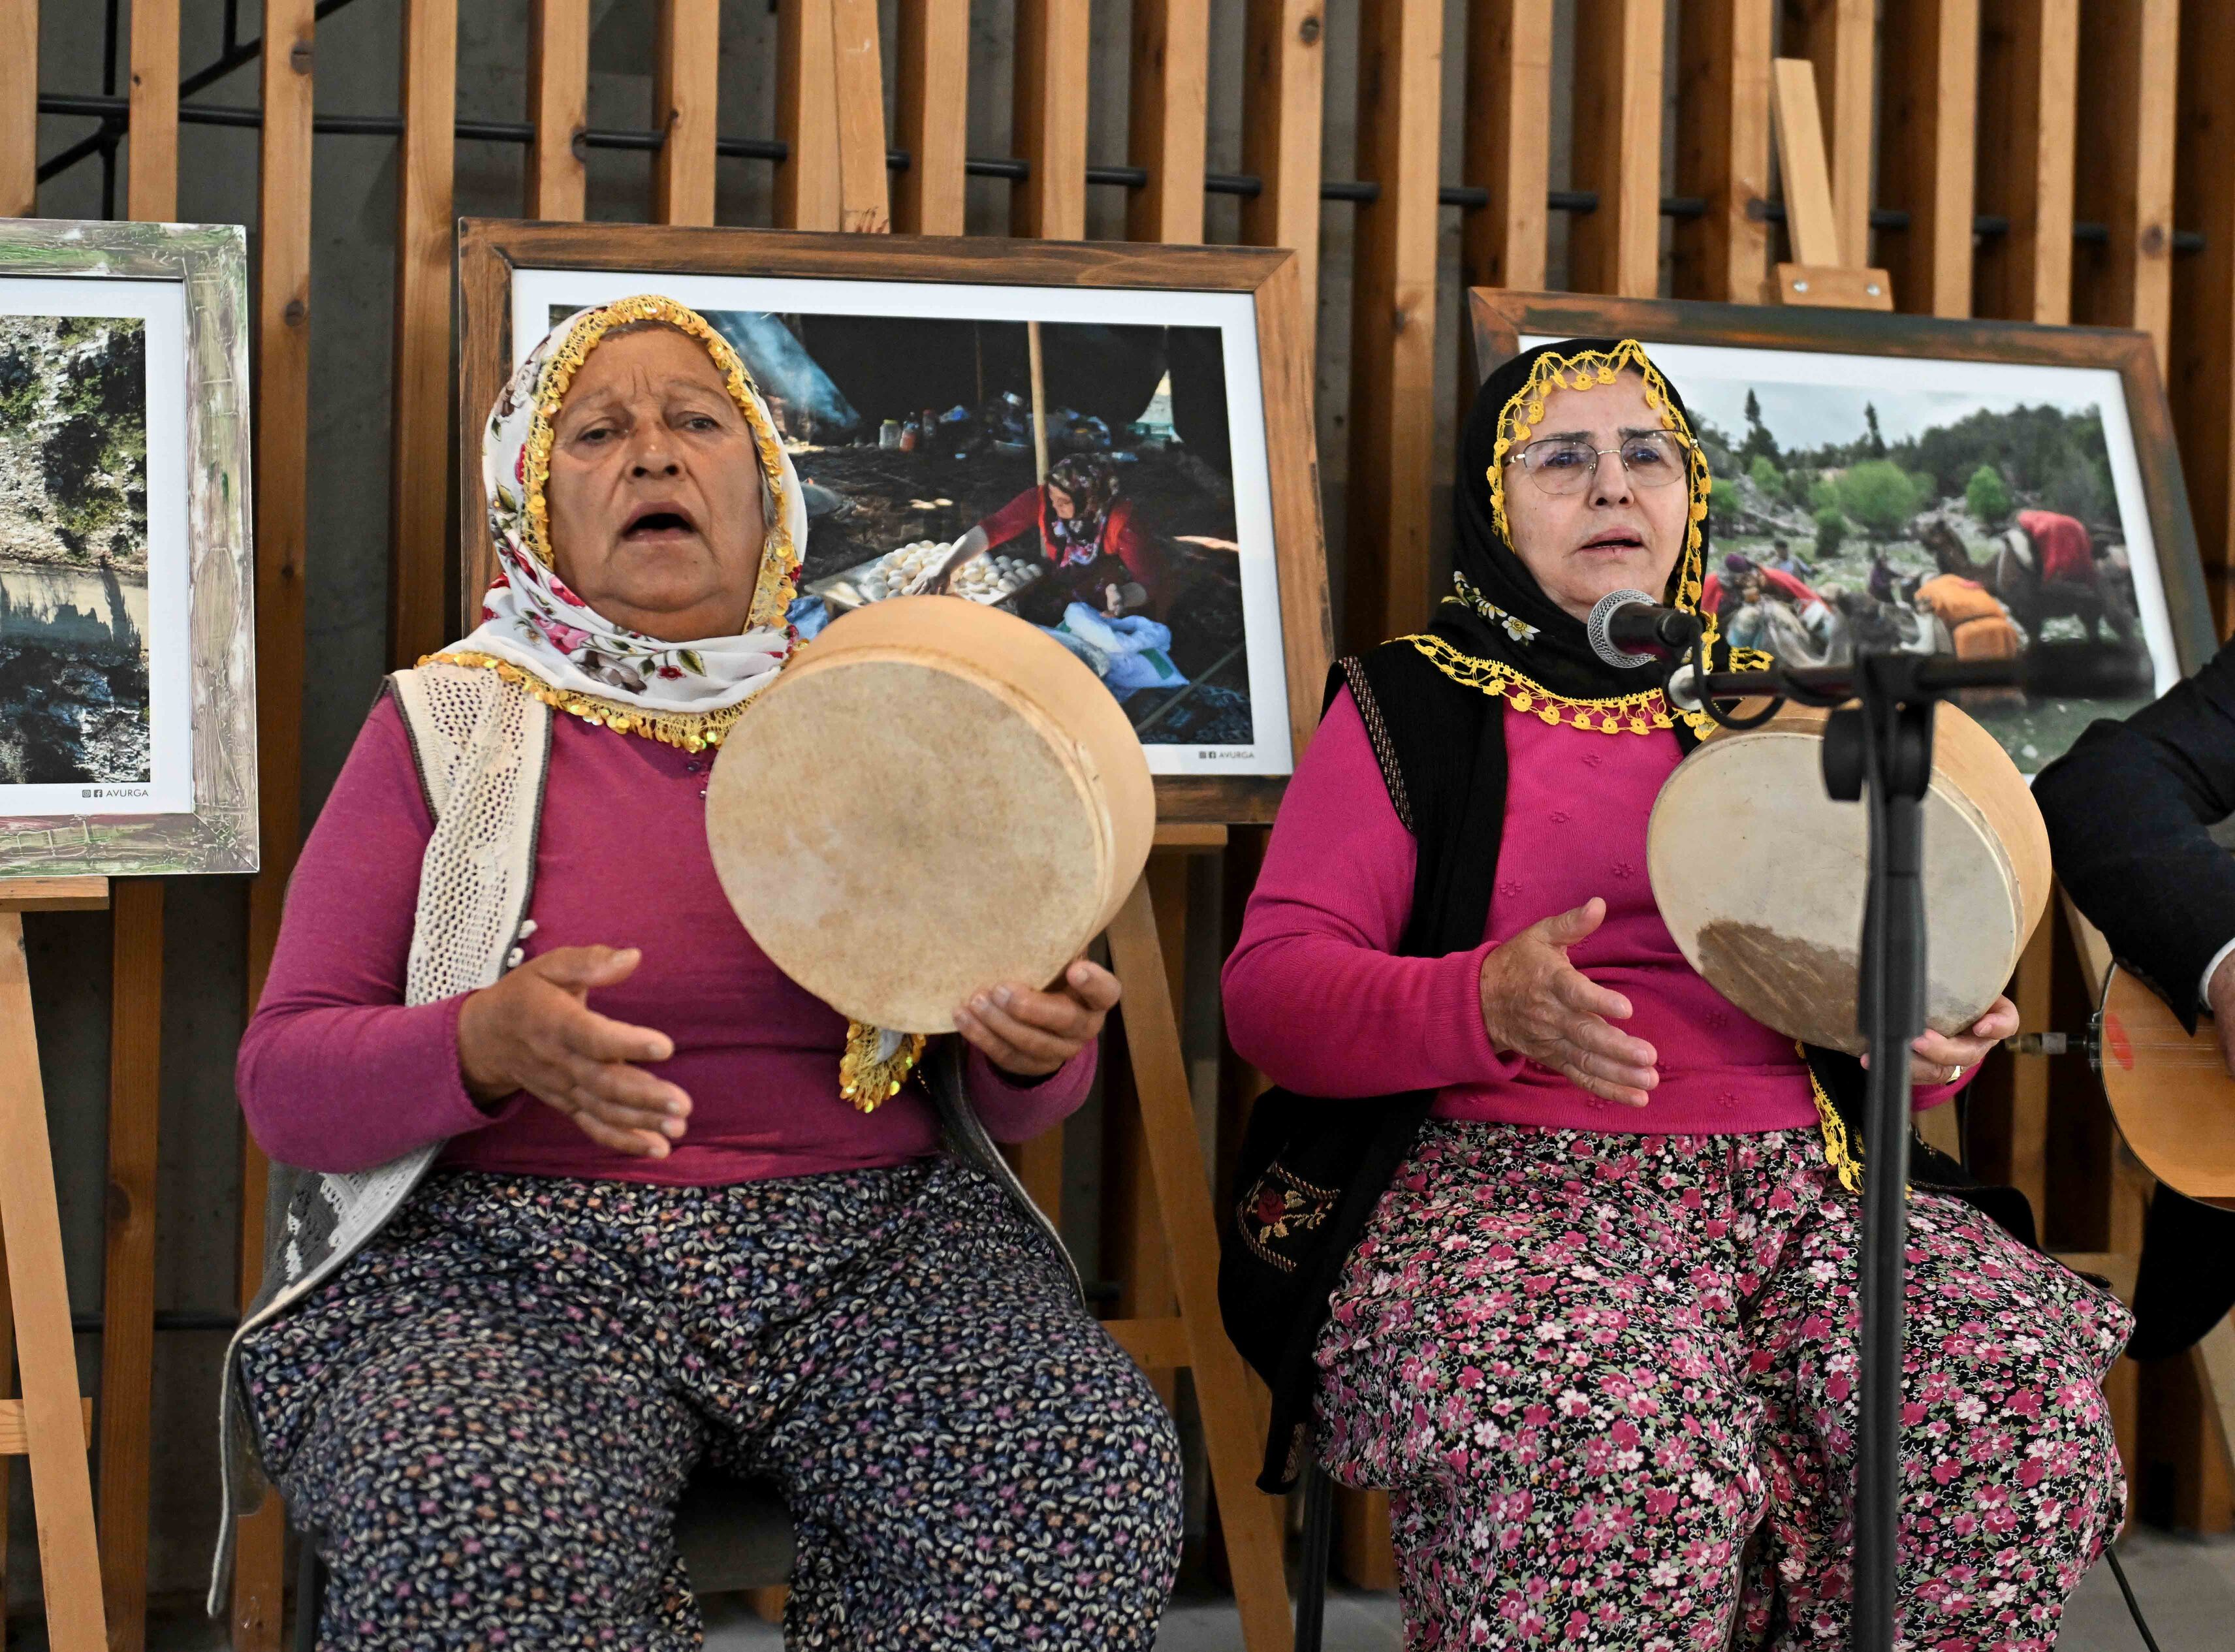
(336, 1074)
(1316, 997)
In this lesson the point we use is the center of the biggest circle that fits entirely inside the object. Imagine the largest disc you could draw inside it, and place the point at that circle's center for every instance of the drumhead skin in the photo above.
(1759, 876)
(933, 798)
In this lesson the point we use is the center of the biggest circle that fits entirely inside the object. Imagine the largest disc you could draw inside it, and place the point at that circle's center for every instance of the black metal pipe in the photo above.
(166, 1319)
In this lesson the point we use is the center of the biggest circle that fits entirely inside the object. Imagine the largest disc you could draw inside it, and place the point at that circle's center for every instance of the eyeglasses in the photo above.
(1562, 464)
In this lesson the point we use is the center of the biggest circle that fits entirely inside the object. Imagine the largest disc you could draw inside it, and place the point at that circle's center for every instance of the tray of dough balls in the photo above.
(990, 578)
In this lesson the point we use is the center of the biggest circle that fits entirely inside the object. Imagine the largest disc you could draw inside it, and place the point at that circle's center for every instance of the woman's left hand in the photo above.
(1031, 1034)
(1942, 1057)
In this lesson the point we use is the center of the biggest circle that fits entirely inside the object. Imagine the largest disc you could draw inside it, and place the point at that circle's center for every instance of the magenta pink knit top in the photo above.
(1316, 997)
(336, 1074)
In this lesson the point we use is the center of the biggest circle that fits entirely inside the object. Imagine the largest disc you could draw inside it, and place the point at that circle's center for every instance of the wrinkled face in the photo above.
(1061, 503)
(654, 494)
(1612, 535)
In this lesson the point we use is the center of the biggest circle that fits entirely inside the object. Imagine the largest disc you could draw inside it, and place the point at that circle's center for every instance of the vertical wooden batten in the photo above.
(282, 423)
(931, 86)
(1927, 161)
(1837, 37)
(136, 1012)
(1722, 149)
(2200, 374)
(1506, 145)
(1282, 118)
(419, 426)
(1393, 343)
(2127, 53)
(1619, 46)
(858, 76)
(2028, 86)
(806, 116)
(686, 75)
(1050, 124)
(558, 93)
(19, 109)
(1166, 137)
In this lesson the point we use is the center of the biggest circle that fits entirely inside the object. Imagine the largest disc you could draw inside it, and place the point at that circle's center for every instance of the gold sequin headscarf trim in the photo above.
(691, 731)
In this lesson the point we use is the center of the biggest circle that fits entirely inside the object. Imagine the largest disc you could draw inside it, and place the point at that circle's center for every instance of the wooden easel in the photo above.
(51, 1424)
(1822, 272)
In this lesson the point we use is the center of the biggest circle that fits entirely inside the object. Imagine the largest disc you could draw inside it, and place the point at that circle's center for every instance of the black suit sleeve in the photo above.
(2128, 810)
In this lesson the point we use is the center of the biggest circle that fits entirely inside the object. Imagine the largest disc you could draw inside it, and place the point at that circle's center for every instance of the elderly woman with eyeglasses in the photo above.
(1595, 1327)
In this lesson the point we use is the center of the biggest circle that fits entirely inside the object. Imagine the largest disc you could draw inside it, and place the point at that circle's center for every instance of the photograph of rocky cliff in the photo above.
(74, 702)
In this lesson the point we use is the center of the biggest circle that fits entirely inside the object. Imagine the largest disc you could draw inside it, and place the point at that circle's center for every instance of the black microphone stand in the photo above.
(1878, 752)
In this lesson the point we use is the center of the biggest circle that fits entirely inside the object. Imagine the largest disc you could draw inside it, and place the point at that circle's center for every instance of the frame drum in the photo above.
(933, 797)
(1759, 876)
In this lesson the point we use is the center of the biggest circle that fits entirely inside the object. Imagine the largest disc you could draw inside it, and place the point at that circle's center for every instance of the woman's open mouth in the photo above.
(1614, 540)
(659, 519)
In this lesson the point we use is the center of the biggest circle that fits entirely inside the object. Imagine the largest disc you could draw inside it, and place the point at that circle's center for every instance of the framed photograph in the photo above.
(1909, 481)
(1121, 434)
(127, 684)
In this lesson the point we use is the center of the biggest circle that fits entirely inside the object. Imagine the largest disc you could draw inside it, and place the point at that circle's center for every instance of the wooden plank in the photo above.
(1811, 227)
(151, 160)
(283, 421)
(1393, 456)
(419, 429)
(19, 109)
(687, 76)
(1619, 51)
(806, 179)
(1284, 73)
(1836, 37)
(1506, 145)
(1233, 1412)
(2029, 1125)
(1722, 149)
(1170, 92)
(15, 1439)
(1191, 838)
(932, 84)
(1927, 164)
(2127, 56)
(2028, 88)
(1049, 127)
(2200, 374)
(2214, 1359)
(858, 74)
(558, 100)
(127, 1297)
(61, 1494)
(54, 894)
(1159, 1346)
(1364, 1550)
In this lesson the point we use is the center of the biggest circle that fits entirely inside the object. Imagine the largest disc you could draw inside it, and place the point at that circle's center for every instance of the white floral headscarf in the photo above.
(542, 635)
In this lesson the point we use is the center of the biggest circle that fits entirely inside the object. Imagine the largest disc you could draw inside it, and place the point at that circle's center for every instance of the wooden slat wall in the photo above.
(282, 323)
(1926, 156)
(806, 116)
(1722, 149)
(1507, 145)
(858, 85)
(19, 107)
(686, 74)
(1393, 307)
(1284, 71)
(1050, 123)
(419, 429)
(931, 86)
(1619, 48)
(2125, 130)
(2028, 86)
(1170, 93)
(2200, 376)
(1837, 36)
(559, 101)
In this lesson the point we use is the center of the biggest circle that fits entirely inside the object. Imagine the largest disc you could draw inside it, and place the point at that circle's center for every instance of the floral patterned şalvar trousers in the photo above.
(486, 1414)
(1609, 1382)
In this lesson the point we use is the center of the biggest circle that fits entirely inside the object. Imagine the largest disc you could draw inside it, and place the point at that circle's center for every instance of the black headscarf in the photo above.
(1501, 616)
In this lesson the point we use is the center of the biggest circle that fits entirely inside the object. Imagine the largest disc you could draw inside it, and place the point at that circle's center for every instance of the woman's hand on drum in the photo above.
(1538, 1004)
(1943, 1057)
(1031, 1034)
(536, 1031)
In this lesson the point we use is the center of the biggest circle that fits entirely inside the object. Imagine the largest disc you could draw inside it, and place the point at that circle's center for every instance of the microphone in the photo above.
(1630, 629)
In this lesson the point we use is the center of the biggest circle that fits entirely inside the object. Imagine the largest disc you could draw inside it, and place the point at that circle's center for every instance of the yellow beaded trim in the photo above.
(1846, 1163)
(691, 730)
(772, 595)
(866, 1081)
(1640, 713)
(1524, 410)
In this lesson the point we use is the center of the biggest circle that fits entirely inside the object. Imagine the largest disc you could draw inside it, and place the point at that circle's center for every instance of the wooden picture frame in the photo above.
(1498, 319)
(195, 645)
(492, 254)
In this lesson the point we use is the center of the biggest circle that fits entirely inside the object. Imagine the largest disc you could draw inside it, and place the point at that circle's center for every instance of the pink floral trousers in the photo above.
(1609, 1382)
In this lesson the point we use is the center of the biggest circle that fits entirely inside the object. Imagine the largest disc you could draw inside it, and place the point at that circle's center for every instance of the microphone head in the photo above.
(1595, 628)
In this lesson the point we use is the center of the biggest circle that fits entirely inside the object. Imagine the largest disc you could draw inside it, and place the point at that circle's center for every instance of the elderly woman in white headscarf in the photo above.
(589, 1191)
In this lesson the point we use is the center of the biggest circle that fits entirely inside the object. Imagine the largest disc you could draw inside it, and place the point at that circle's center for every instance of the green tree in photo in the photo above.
(1878, 497)
(94, 460)
(1987, 496)
(1823, 493)
(1831, 531)
(1874, 443)
(1767, 477)
(1759, 444)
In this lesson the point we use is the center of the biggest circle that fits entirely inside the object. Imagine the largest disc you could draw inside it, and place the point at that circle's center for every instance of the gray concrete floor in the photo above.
(2186, 1587)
